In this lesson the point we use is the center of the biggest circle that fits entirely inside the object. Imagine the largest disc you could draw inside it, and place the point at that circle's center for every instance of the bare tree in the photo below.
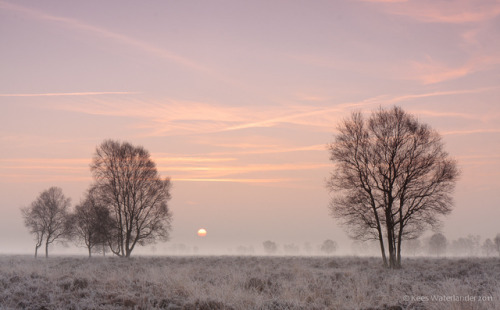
(47, 217)
(137, 196)
(413, 246)
(328, 246)
(437, 244)
(91, 222)
(270, 247)
(34, 223)
(497, 243)
(391, 181)
(468, 246)
(488, 247)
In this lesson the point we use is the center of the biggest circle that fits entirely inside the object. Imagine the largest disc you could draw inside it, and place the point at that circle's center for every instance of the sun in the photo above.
(202, 232)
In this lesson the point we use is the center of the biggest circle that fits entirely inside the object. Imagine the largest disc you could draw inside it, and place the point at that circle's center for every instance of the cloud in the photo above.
(431, 71)
(169, 117)
(439, 11)
(69, 94)
(402, 98)
(105, 34)
(235, 180)
(190, 159)
(469, 132)
(384, 1)
(223, 171)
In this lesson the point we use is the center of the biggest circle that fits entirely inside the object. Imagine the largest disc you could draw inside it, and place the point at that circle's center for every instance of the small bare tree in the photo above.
(270, 247)
(497, 243)
(328, 246)
(34, 223)
(392, 179)
(92, 222)
(437, 244)
(47, 217)
(131, 187)
(488, 247)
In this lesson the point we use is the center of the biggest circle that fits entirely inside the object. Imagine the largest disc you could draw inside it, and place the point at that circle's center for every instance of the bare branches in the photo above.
(137, 197)
(47, 218)
(91, 222)
(391, 171)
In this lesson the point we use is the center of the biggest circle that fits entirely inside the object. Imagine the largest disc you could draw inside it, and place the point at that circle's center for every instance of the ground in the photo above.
(231, 282)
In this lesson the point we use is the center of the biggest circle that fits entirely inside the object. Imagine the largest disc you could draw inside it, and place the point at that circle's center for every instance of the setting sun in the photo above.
(202, 232)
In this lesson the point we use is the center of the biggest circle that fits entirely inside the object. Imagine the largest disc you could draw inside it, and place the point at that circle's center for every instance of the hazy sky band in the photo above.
(237, 101)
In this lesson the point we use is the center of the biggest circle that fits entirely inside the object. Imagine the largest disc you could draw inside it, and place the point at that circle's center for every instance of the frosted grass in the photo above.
(230, 282)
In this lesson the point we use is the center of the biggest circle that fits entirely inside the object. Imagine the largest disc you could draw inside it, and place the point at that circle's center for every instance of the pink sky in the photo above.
(236, 101)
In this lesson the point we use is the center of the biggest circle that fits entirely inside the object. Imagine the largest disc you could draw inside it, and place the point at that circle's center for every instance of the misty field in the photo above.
(230, 282)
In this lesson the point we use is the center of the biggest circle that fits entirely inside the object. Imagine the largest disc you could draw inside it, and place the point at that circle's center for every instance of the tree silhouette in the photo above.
(270, 247)
(437, 244)
(392, 179)
(131, 187)
(328, 246)
(47, 218)
(91, 222)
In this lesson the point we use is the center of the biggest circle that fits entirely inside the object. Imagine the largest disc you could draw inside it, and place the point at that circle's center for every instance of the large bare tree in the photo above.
(392, 179)
(47, 217)
(91, 222)
(130, 185)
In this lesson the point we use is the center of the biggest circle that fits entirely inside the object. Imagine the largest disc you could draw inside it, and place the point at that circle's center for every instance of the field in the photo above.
(231, 282)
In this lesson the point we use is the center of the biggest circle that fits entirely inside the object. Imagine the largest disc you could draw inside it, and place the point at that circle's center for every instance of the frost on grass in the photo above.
(208, 283)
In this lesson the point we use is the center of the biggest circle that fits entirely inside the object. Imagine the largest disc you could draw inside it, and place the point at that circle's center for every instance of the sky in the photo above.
(237, 100)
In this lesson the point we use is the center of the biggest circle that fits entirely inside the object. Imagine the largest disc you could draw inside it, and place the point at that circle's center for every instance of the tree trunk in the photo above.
(46, 249)
(90, 252)
(400, 239)
(390, 241)
(382, 248)
(36, 250)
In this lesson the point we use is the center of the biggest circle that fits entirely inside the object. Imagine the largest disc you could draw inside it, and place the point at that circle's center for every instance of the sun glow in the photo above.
(202, 232)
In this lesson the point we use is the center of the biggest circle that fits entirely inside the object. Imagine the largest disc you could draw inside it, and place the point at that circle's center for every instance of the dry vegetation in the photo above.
(245, 283)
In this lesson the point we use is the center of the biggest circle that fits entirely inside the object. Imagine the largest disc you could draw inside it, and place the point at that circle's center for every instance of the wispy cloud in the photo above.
(432, 11)
(234, 180)
(188, 168)
(106, 34)
(384, 1)
(243, 169)
(402, 98)
(470, 132)
(170, 117)
(431, 71)
(190, 159)
(69, 94)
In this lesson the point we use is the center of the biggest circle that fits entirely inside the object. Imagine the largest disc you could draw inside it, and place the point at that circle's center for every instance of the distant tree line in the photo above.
(124, 207)
(328, 247)
(438, 245)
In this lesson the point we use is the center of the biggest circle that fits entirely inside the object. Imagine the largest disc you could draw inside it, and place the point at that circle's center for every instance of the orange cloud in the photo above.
(431, 71)
(469, 132)
(384, 1)
(189, 159)
(233, 180)
(227, 170)
(172, 117)
(455, 12)
(69, 94)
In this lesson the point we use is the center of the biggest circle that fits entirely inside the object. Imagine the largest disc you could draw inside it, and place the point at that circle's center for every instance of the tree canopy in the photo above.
(130, 185)
(392, 179)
